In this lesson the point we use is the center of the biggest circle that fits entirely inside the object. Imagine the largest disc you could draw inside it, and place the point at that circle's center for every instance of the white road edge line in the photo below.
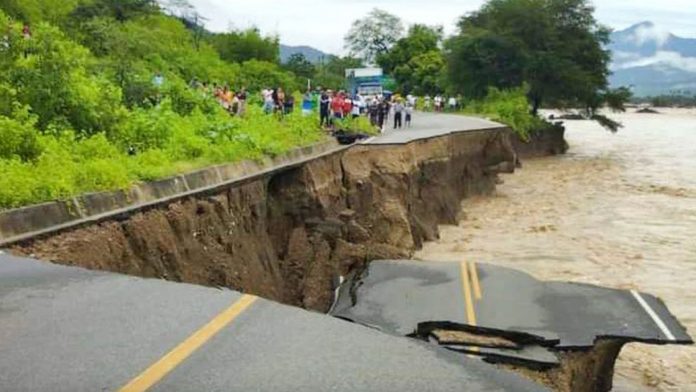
(653, 315)
(341, 279)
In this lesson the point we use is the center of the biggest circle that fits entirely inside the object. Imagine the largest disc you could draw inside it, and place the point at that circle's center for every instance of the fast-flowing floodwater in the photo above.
(617, 210)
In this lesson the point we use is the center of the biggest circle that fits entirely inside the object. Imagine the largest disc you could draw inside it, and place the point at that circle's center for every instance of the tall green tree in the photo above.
(34, 11)
(556, 47)
(121, 10)
(373, 35)
(331, 71)
(243, 45)
(300, 66)
(416, 61)
(420, 39)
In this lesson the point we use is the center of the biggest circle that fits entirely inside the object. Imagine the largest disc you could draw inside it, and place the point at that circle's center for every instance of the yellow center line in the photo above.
(468, 301)
(172, 359)
(475, 280)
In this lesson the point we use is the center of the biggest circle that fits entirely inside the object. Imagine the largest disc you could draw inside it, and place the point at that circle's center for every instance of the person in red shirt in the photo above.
(337, 106)
(347, 107)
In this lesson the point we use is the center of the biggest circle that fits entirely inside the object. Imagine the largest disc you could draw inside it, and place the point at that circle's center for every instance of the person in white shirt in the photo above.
(398, 110)
(356, 109)
(409, 113)
(268, 103)
(452, 103)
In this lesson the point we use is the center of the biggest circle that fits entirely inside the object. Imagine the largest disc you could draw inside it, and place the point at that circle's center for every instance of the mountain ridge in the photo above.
(312, 54)
(652, 60)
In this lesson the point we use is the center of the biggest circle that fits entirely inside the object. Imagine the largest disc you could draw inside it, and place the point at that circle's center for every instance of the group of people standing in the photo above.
(333, 105)
(380, 110)
(234, 103)
(277, 101)
(338, 105)
(440, 103)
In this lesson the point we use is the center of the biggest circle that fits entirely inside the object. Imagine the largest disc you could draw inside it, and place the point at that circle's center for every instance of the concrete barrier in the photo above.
(32, 218)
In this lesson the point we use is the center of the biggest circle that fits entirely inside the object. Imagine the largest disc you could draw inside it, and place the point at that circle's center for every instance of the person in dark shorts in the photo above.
(324, 102)
(382, 111)
(409, 113)
(398, 113)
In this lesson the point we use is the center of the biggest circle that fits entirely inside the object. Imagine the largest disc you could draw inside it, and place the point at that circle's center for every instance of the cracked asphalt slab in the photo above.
(410, 298)
(69, 329)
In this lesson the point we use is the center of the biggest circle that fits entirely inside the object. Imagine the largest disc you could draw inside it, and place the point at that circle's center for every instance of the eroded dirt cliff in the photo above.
(289, 235)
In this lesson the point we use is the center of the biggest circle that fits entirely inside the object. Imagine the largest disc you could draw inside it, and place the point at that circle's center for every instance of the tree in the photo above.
(556, 47)
(34, 11)
(243, 45)
(331, 71)
(374, 35)
(188, 14)
(416, 61)
(121, 10)
(50, 75)
(423, 74)
(256, 75)
(420, 39)
(481, 60)
(300, 66)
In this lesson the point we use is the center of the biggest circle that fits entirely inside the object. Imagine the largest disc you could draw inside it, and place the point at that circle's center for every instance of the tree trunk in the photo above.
(536, 105)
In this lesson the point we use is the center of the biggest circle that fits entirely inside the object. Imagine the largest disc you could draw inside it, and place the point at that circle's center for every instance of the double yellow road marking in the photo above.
(172, 359)
(471, 287)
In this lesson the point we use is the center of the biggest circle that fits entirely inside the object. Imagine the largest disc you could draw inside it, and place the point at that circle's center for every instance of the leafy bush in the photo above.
(510, 107)
(17, 140)
(360, 124)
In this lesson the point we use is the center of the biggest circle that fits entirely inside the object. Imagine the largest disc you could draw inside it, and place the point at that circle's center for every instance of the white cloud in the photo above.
(672, 59)
(650, 33)
(621, 57)
(323, 23)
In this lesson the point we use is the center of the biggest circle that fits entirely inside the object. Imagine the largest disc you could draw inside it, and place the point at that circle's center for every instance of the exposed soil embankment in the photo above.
(287, 236)
(550, 141)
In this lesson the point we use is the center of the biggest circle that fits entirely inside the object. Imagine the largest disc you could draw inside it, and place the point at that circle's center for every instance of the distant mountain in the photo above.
(653, 61)
(310, 53)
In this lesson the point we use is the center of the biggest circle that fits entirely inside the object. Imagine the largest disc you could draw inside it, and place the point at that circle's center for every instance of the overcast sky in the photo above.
(323, 23)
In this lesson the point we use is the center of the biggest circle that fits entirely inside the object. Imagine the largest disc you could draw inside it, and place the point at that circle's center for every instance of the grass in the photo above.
(162, 143)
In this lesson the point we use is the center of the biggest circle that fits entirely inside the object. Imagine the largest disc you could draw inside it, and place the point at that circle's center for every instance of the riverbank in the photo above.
(617, 210)
(286, 234)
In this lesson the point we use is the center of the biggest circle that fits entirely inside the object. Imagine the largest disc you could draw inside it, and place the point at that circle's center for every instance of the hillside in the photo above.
(310, 53)
(653, 60)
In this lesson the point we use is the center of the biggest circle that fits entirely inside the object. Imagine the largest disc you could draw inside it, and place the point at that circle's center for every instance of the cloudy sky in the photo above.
(323, 23)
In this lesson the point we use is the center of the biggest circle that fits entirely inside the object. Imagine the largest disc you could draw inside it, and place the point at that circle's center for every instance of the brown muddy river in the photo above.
(617, 210)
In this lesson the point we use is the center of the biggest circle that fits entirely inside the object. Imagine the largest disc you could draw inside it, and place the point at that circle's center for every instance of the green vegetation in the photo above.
(509, 107)
(416, 61)
(556, 48)
(80, 110)
(99, 94)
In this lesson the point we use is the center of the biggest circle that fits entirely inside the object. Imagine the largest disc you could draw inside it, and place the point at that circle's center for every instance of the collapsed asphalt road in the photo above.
(69, 329)
(572, 331)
